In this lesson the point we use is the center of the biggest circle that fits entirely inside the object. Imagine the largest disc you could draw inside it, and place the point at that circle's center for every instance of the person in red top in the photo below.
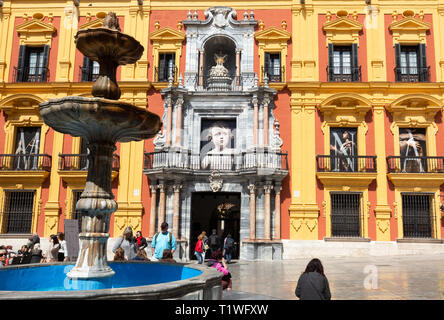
(198, 249)
(141, 241)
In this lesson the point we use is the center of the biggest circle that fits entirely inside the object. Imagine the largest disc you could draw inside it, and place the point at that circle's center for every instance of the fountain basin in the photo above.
(132, 280)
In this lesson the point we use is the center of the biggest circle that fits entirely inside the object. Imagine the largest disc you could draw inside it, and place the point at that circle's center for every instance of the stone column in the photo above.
(252, 189)
(201, 68)
(265, 104)
(176, 189)
(267, 216)
(277, 212)
(255, 119)
(169, 120)
(238, 67)
(161, 214)
(179, 104)
(153, 212)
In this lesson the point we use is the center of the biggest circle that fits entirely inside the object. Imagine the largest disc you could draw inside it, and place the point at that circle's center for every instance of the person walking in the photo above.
(214, 241)
(127, 243)
(63, 252)
(53, 249)
(163, 240)
(228, 248)
(206, 246)
(198, 249)
(313, 284)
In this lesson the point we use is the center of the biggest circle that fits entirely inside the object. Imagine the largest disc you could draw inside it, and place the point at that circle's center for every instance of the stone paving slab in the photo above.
(412, 277)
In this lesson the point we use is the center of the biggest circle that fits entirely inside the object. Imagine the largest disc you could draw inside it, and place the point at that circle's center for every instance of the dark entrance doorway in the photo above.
(220, 211)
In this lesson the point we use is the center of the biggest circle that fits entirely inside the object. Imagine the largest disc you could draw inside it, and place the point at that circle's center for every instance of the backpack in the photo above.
(230, 243)
(170, 241)
(213, 240)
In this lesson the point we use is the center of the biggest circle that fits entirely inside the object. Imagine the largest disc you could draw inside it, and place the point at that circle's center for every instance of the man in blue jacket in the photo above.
(163, 240)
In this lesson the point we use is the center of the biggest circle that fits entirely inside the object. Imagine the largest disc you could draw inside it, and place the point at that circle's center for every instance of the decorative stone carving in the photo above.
(277, 140)
(215, 181)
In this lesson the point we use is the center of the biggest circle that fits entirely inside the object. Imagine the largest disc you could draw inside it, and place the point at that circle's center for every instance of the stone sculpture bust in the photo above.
(219, 70)
(111, 22)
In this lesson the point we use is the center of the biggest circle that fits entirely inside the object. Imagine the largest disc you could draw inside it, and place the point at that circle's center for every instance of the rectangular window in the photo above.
(18, 210)
(343, 63)
(167, 67)
(344, 149)
(32, 64)
(76, 213)
(273, 67)
(345, 214)
(90, 70)
(417, 215)
(412, 150)
(27, 144)
(411, 63)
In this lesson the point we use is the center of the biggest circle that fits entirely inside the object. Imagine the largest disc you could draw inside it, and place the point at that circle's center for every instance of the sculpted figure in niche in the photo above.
(219, 70)
(221, 156)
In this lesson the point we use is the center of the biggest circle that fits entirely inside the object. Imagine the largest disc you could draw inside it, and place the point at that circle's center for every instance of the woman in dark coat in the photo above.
(36, 254)
(313, 284)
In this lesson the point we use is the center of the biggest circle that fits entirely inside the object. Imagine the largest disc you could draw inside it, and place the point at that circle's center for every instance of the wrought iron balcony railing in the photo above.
(163, 74)
(25, 162)
(31, 74)
(76, 162)
(330, 163)
(343, 74)
(222, 162)
(412, 74)
(274, 74)
(408, 164)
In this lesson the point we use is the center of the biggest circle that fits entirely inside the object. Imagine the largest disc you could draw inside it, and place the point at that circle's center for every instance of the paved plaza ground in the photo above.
(417, 277)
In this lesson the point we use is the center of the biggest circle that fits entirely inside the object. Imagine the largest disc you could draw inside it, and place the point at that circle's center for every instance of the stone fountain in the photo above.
(101, 121)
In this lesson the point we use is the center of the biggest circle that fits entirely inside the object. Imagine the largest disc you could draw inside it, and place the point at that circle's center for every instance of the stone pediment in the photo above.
(342, 25)
(167, 34)
(272, 34)
(409, 24)
(96, 23)
(35, 26)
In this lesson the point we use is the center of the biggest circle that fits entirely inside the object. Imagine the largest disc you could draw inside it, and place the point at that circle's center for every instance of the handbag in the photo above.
(206, 247)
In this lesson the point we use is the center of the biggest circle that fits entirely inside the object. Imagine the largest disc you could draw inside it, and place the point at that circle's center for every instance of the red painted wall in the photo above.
(319, 150)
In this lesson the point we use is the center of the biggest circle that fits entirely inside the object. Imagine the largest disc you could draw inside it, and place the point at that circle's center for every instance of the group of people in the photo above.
(212, 244)
(31, 252)
(128, 247)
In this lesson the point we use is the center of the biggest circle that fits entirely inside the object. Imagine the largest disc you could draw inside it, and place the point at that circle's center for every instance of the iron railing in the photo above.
(31, 74)
(17, 211)
(274, 74)
(163, 74)
(238, 83)
(343, 74)
(346, 215)
(337, 163)
(74, 162)
(418, 215)
(412, 74)
(30, 162)
(223, 162)
(88, 74)
(412, 164)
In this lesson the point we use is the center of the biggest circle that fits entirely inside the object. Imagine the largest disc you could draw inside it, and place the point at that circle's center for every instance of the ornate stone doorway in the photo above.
(220, 211)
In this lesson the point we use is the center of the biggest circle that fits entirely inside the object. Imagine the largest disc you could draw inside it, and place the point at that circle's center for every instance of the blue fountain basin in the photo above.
(54, 277)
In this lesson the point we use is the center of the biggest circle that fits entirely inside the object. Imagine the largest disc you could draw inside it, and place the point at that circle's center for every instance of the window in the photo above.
(412, 149)
(417, 215)
(27, 143)
(272, 67)
(343, 63)
(411, 63)
(167, 67)
(32, 64)
(18, 211)
(90, 70)
(76, 213)
(345, 214)
(344, 149)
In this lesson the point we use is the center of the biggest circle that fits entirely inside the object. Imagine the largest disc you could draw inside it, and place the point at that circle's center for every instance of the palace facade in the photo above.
(301, 127)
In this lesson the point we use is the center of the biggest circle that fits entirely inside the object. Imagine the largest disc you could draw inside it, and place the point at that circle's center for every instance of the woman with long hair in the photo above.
(313, 284)
(53, 249)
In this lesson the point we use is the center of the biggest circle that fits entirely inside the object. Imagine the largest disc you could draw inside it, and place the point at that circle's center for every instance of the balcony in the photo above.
(274, 74)
(343, 74)
(412, 74)
(25, 162)
(329, 163)
(186, 161)
(403, 164)
(239, 83)
(31, 74)
(80, 162)
(163, 74)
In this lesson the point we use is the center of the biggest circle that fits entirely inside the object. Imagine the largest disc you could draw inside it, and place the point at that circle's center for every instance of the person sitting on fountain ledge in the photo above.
(127, 243)
(161, 241)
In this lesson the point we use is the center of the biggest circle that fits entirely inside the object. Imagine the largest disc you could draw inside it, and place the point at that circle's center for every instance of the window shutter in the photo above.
(86, 68)
(21, 64)
(330, 62)
(398, 62)
(422, 63)
(355, 62)
(267, 64)
(45, 63)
